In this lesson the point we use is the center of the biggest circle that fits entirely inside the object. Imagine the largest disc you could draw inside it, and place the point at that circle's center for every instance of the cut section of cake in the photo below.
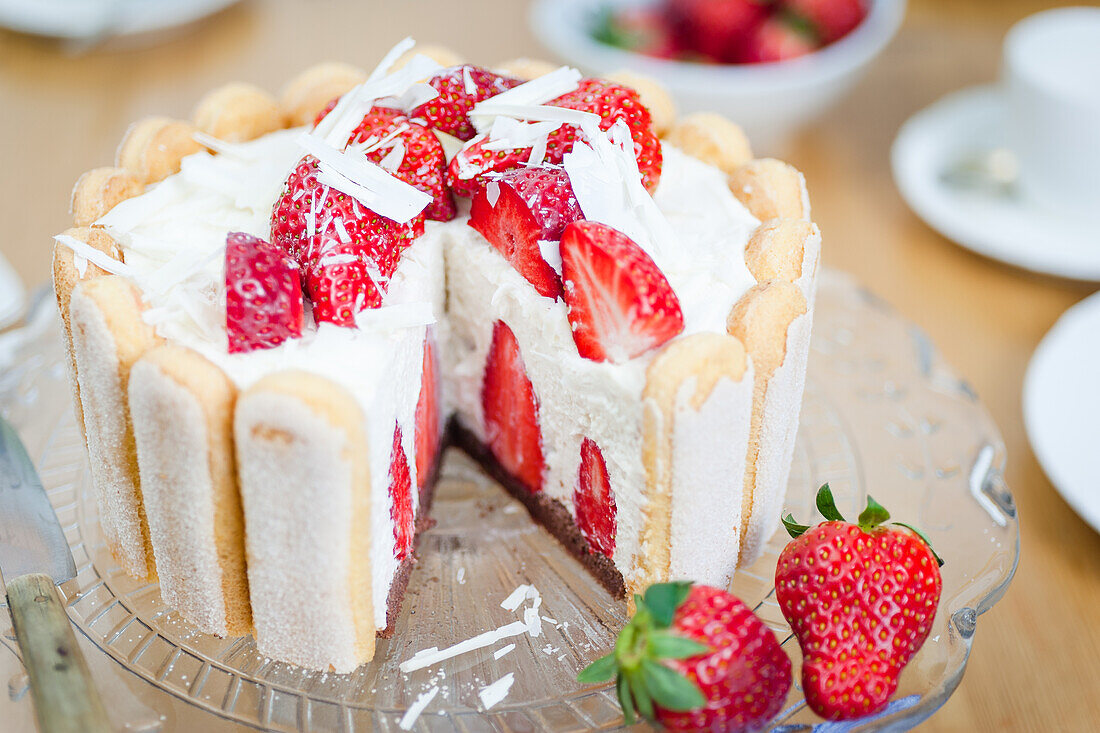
(270, 340)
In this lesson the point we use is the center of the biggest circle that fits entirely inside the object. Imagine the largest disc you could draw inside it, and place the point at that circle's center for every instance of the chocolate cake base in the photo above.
(548, 512)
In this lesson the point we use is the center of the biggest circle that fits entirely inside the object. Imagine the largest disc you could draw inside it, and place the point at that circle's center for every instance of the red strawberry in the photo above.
(696, 658)
(641, 30)
(522, 208)
(401, 508)
(420, 161)
(593, 501)
(427, 416)
(612, 102)
(831, 19)
(468, 170)
(777, 39)
(460, 88)
(861, 598)
(511, 411)
(620, 304)
(263, 294)
(346, 251)
(716, 28)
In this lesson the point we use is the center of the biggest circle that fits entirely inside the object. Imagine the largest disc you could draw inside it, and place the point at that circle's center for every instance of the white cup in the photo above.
(1052, 75)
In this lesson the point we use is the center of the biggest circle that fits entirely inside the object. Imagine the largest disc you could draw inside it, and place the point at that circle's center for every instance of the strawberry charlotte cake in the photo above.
(280, 312)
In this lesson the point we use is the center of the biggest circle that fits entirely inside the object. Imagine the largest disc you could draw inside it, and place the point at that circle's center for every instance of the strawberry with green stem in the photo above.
(695, 658)
(861, 598)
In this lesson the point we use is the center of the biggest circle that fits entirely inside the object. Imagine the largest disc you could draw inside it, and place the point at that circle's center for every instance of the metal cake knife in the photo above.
(34, 555)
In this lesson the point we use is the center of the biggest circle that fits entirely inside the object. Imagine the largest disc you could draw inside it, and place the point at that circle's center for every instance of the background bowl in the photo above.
(770, 101)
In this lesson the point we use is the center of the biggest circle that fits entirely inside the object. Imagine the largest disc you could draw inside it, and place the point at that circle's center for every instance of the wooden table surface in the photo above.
(1036, 658)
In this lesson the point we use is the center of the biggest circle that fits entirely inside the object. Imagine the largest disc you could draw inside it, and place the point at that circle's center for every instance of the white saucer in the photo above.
(1003, 227)
(1062, 407)
(93, 18)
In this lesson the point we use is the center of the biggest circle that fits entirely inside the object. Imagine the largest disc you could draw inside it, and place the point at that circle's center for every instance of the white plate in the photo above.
(91, 18)
(1062, 407)
(1004, 227)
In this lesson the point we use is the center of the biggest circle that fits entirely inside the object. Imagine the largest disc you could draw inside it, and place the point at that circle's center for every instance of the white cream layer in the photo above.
(174, 239)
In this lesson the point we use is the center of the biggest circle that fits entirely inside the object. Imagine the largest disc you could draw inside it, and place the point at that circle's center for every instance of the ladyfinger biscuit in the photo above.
(713, 139)
(785, 249)
(153, 147)
(771, 189)
(773, 322)
(109, 336)
(304, 96)
(653, 95)
(238, 112)
(696, 408)
(524, 68)
(68, 270)
(100, 190)
(305, 486)
(181, 406)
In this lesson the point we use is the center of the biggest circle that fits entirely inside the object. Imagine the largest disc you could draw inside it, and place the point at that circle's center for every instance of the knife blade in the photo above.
(34, 555)
(31, 540)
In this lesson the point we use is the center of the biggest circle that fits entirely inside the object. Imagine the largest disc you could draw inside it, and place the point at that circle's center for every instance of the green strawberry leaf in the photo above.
(641, 696)
(662, 600)
(670, 689)
(874, 515)
(601, 670)
(924, 538)
(665, 645)
(622, 686)
(827, 506)
(794, 529)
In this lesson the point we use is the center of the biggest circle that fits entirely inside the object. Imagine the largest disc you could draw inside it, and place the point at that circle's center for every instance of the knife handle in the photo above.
(65, 698)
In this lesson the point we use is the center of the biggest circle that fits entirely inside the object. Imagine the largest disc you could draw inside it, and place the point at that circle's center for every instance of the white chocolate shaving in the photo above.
(492, 694)
(408, 720)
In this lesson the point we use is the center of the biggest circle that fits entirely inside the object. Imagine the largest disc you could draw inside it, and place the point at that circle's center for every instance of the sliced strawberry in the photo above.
(593, 501)
(263, 294)
(777, 39)
(470, 167)
(346, 252)
(460, 88)
(401, 506)
(427, 416)
(831, 19)
(419, 161)
(522, 208)
(511, 411)
(620, 304)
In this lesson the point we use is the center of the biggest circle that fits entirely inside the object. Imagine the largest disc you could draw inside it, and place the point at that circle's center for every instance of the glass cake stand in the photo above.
(882, 415)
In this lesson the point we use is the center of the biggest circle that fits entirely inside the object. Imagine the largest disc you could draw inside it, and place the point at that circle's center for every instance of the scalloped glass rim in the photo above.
(876, 387)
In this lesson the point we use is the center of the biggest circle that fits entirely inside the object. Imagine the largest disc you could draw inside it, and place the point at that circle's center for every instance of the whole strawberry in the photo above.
(470, 168)
(345, 251)
(861, 598)
(696, 658)
(460, 88)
